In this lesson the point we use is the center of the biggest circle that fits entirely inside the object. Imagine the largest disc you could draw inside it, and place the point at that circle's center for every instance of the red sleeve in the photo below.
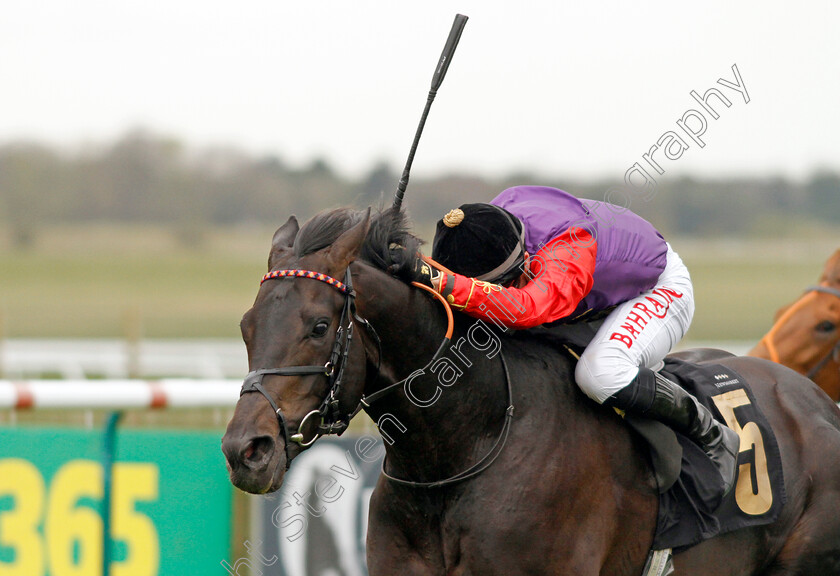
(560, 277)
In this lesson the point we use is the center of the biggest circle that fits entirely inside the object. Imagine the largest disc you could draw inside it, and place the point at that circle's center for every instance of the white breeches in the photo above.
(639, 332)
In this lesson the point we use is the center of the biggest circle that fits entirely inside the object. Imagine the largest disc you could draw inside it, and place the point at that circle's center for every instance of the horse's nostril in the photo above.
(257, 449)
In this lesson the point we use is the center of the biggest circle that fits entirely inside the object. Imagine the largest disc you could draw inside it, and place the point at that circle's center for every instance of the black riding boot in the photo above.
(654, 396)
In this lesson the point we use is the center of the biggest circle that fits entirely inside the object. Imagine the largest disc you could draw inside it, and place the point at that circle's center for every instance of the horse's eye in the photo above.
(826, 326)
(320, 329)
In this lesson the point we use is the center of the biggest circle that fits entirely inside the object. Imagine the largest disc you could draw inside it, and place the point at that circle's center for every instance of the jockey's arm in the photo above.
(560, 275)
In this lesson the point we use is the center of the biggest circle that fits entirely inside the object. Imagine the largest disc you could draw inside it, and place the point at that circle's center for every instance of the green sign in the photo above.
(171, 503)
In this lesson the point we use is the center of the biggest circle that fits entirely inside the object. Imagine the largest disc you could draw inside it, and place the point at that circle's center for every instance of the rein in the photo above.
(810, 292)
(479, 466)
(332, 421)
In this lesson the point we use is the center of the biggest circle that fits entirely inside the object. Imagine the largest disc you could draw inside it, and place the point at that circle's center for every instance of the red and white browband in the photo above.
(290, 273)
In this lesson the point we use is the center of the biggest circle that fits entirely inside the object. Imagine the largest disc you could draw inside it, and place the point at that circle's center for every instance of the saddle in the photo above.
(692, 506)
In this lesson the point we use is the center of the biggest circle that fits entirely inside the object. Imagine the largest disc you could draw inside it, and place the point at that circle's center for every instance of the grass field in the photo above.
(104, 281)
(739, 285)
(100, 282)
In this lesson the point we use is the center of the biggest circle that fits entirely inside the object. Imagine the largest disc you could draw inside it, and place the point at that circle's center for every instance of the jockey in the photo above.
(537, 255)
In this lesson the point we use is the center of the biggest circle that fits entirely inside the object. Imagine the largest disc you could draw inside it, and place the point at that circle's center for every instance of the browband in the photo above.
(292, 273)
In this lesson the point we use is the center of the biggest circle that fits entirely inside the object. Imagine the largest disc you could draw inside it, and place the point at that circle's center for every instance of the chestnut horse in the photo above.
(806, 333)
(496, 464)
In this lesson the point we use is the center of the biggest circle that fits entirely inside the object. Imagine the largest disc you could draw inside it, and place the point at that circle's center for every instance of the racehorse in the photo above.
(806, 333)
(496, 464)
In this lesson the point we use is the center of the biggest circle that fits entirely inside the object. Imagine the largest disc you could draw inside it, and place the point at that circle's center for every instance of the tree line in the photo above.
(147, 178)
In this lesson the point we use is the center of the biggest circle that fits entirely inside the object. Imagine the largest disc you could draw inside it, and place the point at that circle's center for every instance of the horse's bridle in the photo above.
(768, 338)
(332, 420)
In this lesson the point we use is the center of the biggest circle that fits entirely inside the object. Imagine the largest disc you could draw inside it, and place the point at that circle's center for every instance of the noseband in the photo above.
(332, 420)
(768, 338)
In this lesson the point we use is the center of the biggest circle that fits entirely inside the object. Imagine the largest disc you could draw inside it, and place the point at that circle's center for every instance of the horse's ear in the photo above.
(283, 241)
(346, 248)
(831, 272)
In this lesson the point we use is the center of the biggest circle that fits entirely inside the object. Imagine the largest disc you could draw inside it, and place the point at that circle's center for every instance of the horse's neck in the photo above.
(410, 326)
(553, 422)
(430, 429)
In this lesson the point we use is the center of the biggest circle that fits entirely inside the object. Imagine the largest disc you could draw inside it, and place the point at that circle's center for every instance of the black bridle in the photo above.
(332, 419)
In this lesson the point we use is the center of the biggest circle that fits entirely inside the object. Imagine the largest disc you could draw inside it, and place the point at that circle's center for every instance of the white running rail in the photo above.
(118, 394)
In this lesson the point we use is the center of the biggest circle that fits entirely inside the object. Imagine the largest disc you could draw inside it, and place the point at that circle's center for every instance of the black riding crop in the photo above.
(437, 80)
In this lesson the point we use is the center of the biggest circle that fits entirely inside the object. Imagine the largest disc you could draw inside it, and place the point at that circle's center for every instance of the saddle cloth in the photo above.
(692, 507)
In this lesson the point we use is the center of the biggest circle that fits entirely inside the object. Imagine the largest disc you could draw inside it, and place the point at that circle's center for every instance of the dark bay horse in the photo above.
(551, 483)
(806, 334)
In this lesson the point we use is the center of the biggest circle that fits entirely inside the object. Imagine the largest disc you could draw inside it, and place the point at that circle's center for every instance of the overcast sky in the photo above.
(582, 89)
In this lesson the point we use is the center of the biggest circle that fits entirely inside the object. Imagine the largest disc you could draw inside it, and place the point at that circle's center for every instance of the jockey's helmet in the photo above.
(482, 241)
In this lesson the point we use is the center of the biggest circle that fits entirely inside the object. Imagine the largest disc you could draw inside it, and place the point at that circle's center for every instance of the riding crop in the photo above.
(437, 80)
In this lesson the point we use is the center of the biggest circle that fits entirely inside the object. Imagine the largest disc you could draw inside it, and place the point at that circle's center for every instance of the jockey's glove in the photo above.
(425, 274)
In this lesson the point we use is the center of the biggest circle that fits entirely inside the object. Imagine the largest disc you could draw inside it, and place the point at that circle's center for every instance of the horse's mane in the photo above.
(388, 246)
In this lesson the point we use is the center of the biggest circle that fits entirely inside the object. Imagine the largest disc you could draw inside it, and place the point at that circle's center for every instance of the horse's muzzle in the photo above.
(256, 464)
